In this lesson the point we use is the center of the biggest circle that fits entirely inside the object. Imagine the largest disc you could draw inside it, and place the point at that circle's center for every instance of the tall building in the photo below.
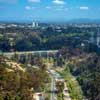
(98, 39)
(34, 24)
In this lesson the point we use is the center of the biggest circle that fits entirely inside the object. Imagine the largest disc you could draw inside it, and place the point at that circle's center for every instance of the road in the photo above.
(53, 94)
(53, 86)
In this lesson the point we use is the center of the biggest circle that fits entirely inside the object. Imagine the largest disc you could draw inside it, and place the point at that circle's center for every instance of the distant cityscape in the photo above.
(10, 30)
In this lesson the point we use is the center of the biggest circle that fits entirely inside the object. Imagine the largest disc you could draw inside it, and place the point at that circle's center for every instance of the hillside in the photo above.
(18, 82)
(10, 65)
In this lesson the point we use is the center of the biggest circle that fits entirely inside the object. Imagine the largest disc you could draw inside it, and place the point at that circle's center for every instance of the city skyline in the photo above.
(48, 10)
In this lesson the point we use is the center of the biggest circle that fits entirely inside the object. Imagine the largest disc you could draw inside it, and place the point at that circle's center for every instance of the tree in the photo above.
(60, 87)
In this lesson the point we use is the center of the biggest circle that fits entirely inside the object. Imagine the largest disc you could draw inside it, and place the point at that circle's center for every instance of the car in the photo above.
(66, 90)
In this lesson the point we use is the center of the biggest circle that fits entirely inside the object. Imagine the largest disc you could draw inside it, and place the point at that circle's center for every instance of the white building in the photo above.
(98, 39)
(35, 24)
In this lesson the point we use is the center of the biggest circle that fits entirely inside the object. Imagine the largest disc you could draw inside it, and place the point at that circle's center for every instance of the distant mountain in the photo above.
(84, 20)
(60, 21)
(75, 21)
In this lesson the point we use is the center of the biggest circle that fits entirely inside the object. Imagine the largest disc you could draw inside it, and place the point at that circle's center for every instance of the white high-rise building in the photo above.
(98, 38)
(34, 24)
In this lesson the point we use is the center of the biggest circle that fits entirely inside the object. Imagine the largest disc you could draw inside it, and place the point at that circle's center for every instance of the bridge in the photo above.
(28, 55)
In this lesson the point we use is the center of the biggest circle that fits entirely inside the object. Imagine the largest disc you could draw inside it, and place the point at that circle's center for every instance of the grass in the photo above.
(59, 96)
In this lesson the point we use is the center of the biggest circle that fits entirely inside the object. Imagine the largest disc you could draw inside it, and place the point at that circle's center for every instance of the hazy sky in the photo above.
(49, 10)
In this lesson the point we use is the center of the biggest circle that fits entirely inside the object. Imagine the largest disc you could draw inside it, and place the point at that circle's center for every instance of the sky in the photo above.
(49, 10)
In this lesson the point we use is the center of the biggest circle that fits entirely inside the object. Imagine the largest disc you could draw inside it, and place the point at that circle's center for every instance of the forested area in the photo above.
(49, 38)
(16, 84)
(86, 69)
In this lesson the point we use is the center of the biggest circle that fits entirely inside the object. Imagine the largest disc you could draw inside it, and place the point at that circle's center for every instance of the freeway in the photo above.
(53, 95)
(53, 86)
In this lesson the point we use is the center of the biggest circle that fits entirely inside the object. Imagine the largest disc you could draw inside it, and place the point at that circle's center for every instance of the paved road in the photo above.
(53, 95)
(53, 86)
